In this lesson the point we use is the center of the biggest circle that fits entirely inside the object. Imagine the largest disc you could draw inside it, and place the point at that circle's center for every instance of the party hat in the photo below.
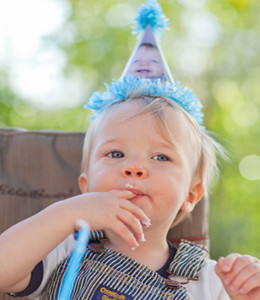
(147, 59)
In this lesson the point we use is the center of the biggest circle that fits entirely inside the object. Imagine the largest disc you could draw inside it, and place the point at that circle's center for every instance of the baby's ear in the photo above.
(83, 183)
(195, 194)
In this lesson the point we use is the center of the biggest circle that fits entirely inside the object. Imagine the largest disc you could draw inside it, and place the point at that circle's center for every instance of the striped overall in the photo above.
(108, 274)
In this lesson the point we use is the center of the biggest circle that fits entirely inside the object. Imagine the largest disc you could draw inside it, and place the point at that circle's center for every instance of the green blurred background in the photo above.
(213, 47)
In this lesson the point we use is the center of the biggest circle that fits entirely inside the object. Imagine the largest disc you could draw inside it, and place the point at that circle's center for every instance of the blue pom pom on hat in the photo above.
(150, 14)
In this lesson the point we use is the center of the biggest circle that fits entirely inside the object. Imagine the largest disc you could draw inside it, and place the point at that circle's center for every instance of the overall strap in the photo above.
(96, 236)
(188, 260)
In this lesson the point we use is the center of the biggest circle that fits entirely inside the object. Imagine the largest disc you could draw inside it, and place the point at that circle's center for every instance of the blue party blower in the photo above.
(75, 261)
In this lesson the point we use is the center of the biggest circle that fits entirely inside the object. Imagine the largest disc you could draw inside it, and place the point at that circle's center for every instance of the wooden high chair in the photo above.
(38, 168)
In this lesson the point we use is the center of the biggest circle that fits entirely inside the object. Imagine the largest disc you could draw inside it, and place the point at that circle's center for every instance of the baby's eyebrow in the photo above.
(169, 145)
(109, 141)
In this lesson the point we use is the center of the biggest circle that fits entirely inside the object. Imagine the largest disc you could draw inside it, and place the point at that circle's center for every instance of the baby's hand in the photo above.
(240, 275)
(111, 210)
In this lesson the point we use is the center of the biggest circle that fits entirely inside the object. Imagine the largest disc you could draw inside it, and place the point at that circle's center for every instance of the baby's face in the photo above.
(146, 63)
(132, 153)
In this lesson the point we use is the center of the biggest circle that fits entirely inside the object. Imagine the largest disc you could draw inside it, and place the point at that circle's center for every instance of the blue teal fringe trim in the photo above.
(121, 88)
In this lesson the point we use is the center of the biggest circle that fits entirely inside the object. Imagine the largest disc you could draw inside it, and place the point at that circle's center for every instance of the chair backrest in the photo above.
(38, 168)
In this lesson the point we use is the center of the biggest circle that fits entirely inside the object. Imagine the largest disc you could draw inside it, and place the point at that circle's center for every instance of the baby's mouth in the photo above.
(138, 194)
(143, 71)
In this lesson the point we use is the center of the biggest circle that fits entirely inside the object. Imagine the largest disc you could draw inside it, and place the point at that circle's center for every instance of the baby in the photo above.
(146, 160)
(147, 63)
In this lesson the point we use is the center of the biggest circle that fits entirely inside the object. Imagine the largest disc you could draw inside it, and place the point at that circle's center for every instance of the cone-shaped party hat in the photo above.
(153, 77)
(147, 59)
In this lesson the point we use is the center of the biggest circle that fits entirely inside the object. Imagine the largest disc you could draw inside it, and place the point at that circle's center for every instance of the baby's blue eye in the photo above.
(115, 154)
(136, 61)
(154, 61)
(161, 157)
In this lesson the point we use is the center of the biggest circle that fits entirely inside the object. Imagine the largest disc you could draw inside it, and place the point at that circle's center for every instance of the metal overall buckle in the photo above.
(175, 282)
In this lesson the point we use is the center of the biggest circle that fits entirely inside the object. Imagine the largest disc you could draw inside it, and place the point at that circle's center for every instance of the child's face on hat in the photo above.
(146, 63)
(134, 152)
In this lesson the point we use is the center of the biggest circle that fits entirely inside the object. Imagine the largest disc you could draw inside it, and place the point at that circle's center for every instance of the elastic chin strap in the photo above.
(162, 78)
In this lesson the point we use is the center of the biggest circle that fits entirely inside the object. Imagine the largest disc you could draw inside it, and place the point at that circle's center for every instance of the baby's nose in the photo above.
(134, 171)
(145, 62)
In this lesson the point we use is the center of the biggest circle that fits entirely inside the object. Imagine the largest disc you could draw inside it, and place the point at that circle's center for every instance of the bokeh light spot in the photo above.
(227, 92)
(249, 167)
(245, 113)
(120, 15)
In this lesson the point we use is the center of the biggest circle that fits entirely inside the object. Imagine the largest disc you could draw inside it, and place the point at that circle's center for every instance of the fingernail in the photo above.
(146, 224)
(136, 245)
(142, 238)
